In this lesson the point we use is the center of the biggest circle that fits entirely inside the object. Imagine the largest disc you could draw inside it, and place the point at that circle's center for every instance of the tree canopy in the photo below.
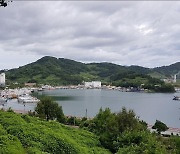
(49, 109)
(109, 126)
(160, 126)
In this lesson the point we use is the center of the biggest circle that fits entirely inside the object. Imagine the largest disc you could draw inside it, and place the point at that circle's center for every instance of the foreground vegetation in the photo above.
(124, 133)
(21, 134)
(43, 132)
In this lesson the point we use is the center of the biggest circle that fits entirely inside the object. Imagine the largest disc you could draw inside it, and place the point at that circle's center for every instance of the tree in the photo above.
(49, 110)
(127, 120)
(160, 126)
(109, 126)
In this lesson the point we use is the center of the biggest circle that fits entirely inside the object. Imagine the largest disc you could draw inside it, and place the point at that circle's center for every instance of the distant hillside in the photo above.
(49, 70)
(58, 71)
(168, 70)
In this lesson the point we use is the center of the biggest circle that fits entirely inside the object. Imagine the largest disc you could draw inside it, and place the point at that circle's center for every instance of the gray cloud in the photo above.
(138, 33)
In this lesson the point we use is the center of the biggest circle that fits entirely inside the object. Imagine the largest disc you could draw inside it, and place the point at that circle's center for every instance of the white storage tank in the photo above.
(2, 79)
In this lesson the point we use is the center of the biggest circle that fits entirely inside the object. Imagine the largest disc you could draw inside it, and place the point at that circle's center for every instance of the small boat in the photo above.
(3, 99)
(27, 99)
(177, 98)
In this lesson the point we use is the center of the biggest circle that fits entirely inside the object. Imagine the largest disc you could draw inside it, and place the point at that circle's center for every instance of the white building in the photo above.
(175, 77)
(93, 84)
(2, 79)
(88, 84)
(96, 84)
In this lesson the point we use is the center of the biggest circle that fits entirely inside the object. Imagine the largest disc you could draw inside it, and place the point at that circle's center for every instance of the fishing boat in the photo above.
(177, 98)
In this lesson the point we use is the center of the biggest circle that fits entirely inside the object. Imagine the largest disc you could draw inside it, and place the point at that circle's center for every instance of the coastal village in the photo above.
(89, 77)
(23, 95)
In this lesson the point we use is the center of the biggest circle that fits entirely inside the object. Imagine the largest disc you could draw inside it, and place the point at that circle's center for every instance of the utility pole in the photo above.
(24, 108)
(86, 113)
(74, 120)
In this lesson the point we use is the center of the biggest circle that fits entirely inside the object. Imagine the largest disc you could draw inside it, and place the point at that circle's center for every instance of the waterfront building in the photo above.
(2, 79)
(96, 84)
(93, 84)
(87, 84)
(30, 84)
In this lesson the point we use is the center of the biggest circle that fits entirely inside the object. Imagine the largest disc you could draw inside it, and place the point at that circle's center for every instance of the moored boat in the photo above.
(27, 99)
(177, 98)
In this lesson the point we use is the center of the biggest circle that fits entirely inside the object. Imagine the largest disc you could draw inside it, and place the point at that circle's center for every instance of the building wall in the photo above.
(2, 79)
(87, 84)
(96, 84)
(93, 84)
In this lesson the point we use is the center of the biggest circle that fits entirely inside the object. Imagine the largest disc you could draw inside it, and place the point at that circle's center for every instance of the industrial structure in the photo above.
(2, 79)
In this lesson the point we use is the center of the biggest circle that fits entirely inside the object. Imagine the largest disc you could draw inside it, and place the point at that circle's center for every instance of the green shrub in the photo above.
(134, 142)
(10, 144)
(39, 136)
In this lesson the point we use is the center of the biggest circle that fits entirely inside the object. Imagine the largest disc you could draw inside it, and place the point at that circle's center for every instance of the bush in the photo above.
(108, 126)
(136, 142)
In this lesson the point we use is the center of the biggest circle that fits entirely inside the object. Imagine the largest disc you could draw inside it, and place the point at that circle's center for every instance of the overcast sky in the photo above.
(126, 33)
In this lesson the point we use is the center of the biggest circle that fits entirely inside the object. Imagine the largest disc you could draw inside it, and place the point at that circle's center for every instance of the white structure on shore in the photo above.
(93, 84)
(175, 77)
(2, 79)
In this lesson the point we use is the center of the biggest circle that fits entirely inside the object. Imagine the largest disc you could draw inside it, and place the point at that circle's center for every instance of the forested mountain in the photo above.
(51, 70)
(168, 70)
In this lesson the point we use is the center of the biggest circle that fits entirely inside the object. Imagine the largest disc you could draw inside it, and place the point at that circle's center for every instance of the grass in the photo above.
(32, 135)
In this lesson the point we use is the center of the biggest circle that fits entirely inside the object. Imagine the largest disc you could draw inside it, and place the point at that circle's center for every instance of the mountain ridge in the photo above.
(66, 71)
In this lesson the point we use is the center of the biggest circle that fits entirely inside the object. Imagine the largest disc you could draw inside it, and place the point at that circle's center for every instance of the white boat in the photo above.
(27, 99)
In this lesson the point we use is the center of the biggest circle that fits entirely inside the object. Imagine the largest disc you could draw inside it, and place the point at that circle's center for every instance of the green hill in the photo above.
(168, 70)
(60, 71)
(48, 70)
(20, 134)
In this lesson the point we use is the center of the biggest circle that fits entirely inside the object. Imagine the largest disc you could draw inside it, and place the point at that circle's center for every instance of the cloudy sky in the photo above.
(127, 33)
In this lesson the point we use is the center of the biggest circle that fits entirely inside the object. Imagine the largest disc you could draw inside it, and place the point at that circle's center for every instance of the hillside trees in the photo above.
(54, 71)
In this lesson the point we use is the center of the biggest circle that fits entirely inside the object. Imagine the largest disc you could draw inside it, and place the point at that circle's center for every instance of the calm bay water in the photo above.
(148, 106)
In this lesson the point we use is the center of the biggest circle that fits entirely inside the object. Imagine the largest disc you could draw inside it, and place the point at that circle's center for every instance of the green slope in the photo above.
(21, 134)
(168, 70)
(51, 70)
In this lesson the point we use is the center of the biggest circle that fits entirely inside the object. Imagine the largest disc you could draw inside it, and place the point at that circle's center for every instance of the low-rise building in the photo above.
(30, 84)
(93, 84)
(87, 84)
(96, 84)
